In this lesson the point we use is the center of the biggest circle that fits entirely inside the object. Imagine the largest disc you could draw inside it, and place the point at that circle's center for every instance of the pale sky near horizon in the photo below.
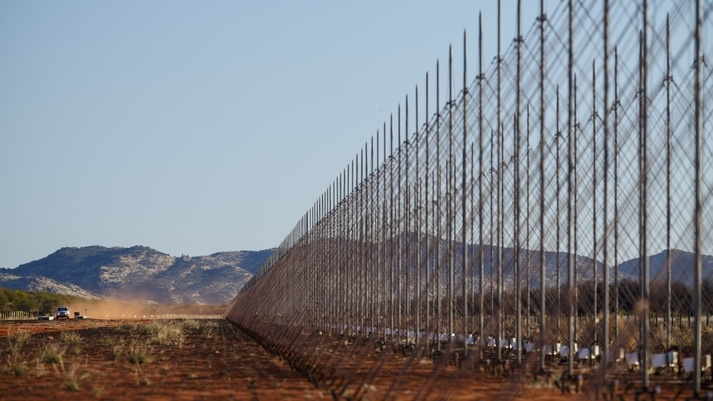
(198, 127)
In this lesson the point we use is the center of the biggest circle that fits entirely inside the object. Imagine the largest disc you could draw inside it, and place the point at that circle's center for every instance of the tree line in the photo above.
(32, 302)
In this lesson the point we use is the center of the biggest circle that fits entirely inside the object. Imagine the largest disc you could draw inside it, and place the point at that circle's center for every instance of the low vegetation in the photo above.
(34, 302)
(144, 349)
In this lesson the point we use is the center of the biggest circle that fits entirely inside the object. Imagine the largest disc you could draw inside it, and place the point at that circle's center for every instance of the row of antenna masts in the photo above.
(363, 204)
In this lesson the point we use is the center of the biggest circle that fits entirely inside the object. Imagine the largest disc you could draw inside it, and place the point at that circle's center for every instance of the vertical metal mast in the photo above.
(450, 195)
(572, 262)
(372, 244)
(361, 266)
(391, 228)
(418, 230)
(528, 289)
(643, 202)
(558, 277)
(353, 313)
(471, 301)
(399, 232)
(354, 245)
(616, 192)
(605, 255)
(500, 204)
(407, 214)
(518, 295)
(368, 263)
(438, 196)
(463, 202)
(341, 312)
(379, 246)
(575, 222)
(543, 255)
(698, 212)
(594, 197)
(669, 78)
(481, 256)
(427, 230)
(384, 221)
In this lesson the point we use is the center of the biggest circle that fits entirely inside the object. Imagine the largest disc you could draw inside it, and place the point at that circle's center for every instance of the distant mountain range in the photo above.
(138, 273)
(682, 266)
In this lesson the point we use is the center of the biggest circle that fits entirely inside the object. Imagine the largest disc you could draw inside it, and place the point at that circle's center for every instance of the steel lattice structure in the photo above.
(559, 201)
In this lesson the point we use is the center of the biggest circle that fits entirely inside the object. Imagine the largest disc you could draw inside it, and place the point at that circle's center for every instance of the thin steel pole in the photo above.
(438, 205)
(543, 255)
(372, 244)
(384, 221)
(571, 264)
(463, 202)
(363, 272)
(500, 200)
(344, 261)
(595, 296)
(669, 78)
(352, 245)
(516, 193)
(378, 217)
(366, 246)
(698, 212)
(418, 227)
(427, 220)
(576, 213)
(605, 254)
(574, 290)
(527, 223)
(473, 323)
(616, 192)
(451, 201)
(557, 213)
(399, 232)
(362, 244)
(481, 174)
(408, 230)
(491, 228)
(392, 309)
(346, 279)
(643, 253)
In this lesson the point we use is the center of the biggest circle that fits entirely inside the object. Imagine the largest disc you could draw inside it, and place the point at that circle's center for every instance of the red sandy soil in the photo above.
(215, 360)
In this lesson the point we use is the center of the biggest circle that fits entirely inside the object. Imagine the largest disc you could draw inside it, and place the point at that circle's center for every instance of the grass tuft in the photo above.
(53, 353)
(164, 333)
(16, 340)
(70, 337)
(18, 337)
(139, 353)
(19, 370)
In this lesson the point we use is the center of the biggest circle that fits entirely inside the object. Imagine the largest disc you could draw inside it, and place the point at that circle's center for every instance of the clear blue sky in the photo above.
(197, 127)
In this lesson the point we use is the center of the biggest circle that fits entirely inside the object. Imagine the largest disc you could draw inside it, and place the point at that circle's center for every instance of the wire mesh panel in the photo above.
(556, 207)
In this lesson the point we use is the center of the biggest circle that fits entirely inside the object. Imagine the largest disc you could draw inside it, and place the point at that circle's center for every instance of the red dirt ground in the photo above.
(215, 360)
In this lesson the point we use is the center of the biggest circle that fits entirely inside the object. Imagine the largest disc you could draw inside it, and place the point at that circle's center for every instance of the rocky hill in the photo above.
(138, 273)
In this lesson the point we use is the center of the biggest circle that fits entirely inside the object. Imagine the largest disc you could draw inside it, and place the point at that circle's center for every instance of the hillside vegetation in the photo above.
(28, 301)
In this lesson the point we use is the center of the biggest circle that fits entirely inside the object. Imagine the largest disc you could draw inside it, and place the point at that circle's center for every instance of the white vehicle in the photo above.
(62, 312)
